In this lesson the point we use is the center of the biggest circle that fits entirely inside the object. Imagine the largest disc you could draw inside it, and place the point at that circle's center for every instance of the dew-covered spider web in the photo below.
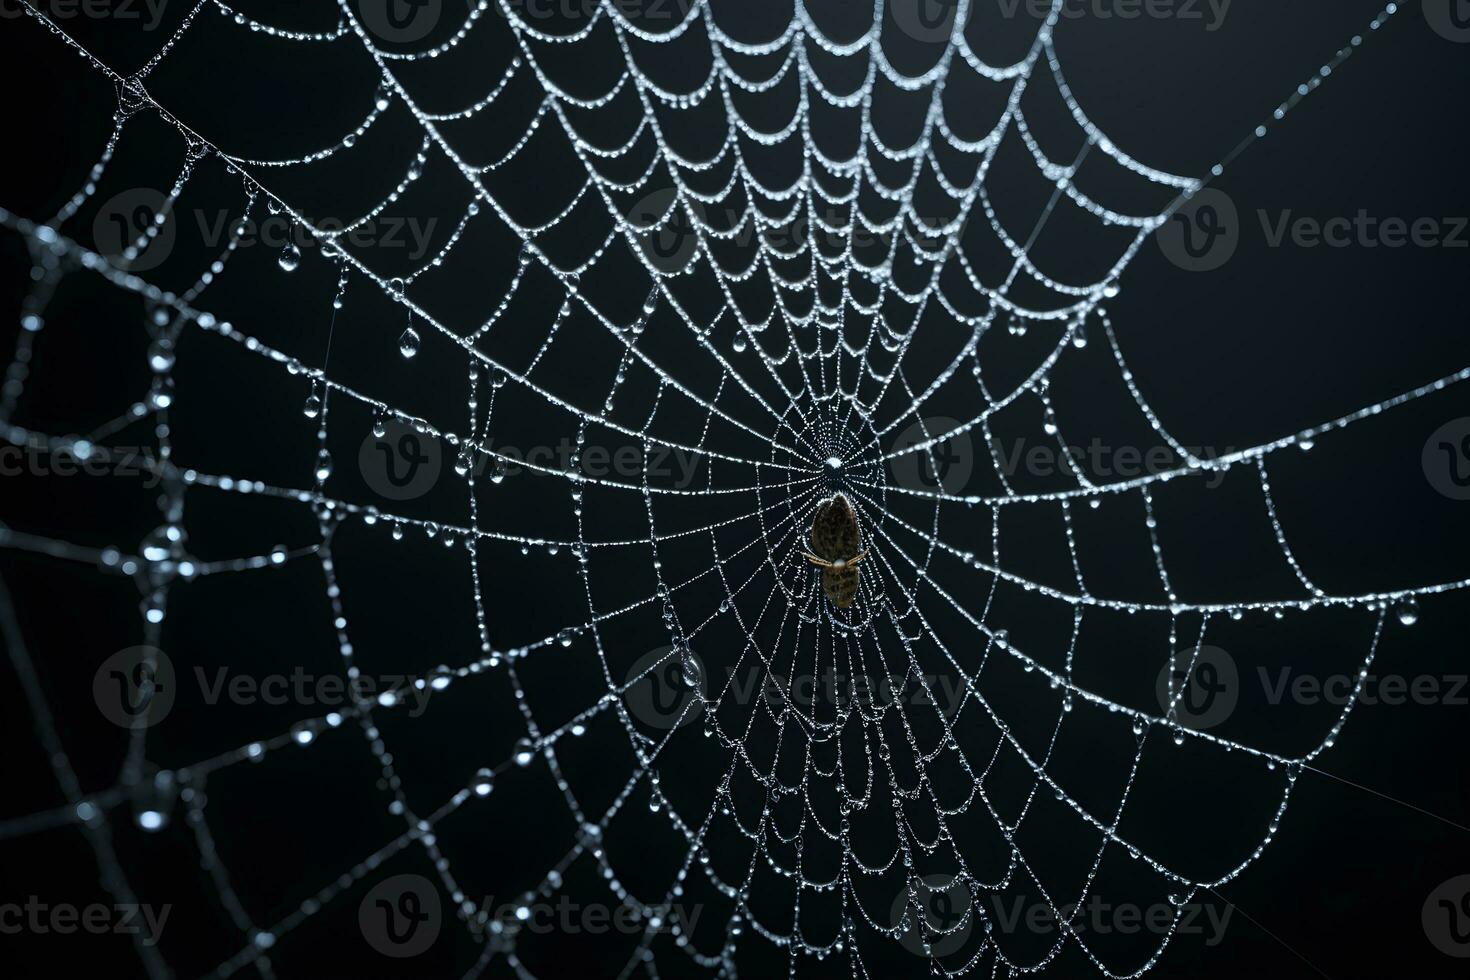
(716, 277)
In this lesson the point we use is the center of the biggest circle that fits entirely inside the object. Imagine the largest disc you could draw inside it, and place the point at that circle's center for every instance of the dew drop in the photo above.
(289, 258)
(690, 668)
(1407, 611)
(159, 543)
(155, 802)
(152, 820)
(161, 356)
(161, 394)
(408, 343)
(484, 782)
(525, 752)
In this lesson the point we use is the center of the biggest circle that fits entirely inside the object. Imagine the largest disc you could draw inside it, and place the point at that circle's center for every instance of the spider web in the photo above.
(681, 300)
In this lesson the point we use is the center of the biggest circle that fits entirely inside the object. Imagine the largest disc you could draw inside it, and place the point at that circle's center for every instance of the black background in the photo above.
(1276, 340)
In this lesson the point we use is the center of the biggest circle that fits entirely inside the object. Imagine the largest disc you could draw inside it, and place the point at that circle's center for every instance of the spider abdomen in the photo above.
(835, 538)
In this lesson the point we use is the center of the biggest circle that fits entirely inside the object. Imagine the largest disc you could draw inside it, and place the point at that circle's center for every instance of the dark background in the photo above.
(1278, 339)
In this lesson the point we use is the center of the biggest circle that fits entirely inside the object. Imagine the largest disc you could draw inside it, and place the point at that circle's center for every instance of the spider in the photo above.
(835, 534)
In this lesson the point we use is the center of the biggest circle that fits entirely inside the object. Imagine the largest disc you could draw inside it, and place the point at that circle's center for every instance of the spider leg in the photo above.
(854, 561)
(819, 562)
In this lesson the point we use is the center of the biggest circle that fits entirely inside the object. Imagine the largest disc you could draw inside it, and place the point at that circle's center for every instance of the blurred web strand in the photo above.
(823, 415)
